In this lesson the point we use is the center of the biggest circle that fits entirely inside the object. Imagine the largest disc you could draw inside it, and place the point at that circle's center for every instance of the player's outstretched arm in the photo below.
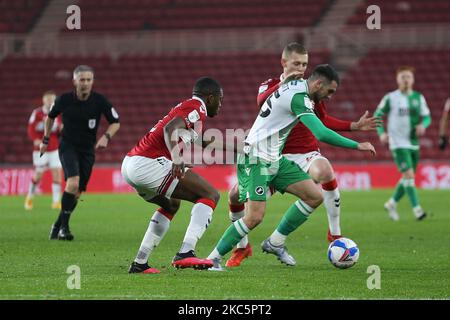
(366, 123)
(326, 135)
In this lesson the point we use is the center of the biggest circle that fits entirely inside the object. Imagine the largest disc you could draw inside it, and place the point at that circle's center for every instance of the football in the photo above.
(343, 253)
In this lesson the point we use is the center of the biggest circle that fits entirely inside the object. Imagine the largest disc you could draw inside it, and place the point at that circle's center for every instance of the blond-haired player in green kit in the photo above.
(408, 116)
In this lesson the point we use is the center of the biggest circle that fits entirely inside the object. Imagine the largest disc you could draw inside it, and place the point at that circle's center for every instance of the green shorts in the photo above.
(406, 159)
(255, 179)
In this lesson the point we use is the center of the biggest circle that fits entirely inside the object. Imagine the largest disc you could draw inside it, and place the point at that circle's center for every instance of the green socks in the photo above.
(294, 217)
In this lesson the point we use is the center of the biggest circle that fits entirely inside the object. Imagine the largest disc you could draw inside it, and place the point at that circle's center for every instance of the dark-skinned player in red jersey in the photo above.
(302, 148)
(156, 170)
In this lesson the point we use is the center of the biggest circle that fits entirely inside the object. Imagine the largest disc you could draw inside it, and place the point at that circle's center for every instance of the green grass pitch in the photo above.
(414, 257)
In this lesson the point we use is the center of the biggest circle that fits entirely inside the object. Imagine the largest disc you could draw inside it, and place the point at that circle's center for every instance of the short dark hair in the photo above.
(205, 86)
(325, 71)
(294, 47)
(82, 68)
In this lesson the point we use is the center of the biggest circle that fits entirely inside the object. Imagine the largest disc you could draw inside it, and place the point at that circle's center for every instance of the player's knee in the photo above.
(173, 206)
(323, 173)
(326, 176)
(213, 195)
(233, 196)
(409, 174)
(73, 187)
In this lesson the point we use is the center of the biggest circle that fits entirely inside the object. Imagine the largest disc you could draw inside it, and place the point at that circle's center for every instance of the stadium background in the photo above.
(148, 53)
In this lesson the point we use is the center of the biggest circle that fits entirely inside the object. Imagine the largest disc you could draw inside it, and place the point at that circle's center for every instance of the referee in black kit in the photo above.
(81, 111)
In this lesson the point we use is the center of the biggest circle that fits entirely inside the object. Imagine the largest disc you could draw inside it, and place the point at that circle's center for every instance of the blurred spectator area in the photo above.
(144, 88)
(405, 11)
(113, 15)
(18, 16)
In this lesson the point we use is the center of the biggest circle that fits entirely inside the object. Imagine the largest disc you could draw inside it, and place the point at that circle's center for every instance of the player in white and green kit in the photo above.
(263, 165)
(408, 116)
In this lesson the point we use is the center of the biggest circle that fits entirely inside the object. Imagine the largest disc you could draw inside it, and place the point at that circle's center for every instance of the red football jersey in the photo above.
(152, 145)
(301, 140)
(36, 125)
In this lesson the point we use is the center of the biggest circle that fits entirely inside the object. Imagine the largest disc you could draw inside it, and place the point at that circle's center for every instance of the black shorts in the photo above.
(76, 162)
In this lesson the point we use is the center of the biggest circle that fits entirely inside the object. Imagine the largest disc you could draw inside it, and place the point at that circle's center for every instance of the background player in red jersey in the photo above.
(443, 126)
(302, 148)
(156, 170)
(50, 159)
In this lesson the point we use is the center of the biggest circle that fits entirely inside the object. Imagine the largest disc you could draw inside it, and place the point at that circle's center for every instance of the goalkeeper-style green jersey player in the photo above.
(408, 116)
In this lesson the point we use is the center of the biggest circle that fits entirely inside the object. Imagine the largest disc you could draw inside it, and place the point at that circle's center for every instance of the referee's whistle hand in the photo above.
(102, 143)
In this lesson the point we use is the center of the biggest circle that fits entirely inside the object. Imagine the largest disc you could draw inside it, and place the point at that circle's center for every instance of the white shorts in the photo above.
(304, 160)
(48, 160)
(149, 177)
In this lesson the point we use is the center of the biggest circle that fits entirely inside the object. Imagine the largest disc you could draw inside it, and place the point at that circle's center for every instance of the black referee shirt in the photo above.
(81, 119)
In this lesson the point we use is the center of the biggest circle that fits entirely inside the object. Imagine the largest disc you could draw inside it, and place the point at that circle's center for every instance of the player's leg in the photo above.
(146, 175)
(409, 184)
(236, 212)
(152, 178)
(322, 172)
(55, 168)
(71, 165)
(39, 164)
(74, 187)
(401, 161)
(157, 228)
(295, 181)
(237, 230)
(254, 180)
(195, 189)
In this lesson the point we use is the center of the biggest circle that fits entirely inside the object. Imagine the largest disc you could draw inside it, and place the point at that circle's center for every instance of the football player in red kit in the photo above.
(49, 160)
(302, 148)
(443, 125)
(156, 170)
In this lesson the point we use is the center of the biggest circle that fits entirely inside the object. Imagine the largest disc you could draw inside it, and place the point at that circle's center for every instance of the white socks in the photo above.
(277, 239)
(332, 202)
(201, 216)
(31, 189)
(157, 228)
(56, 191)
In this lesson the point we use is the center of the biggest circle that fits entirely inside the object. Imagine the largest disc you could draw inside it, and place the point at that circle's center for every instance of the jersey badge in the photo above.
(263, 88)
(92, 123)
(193, 116)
